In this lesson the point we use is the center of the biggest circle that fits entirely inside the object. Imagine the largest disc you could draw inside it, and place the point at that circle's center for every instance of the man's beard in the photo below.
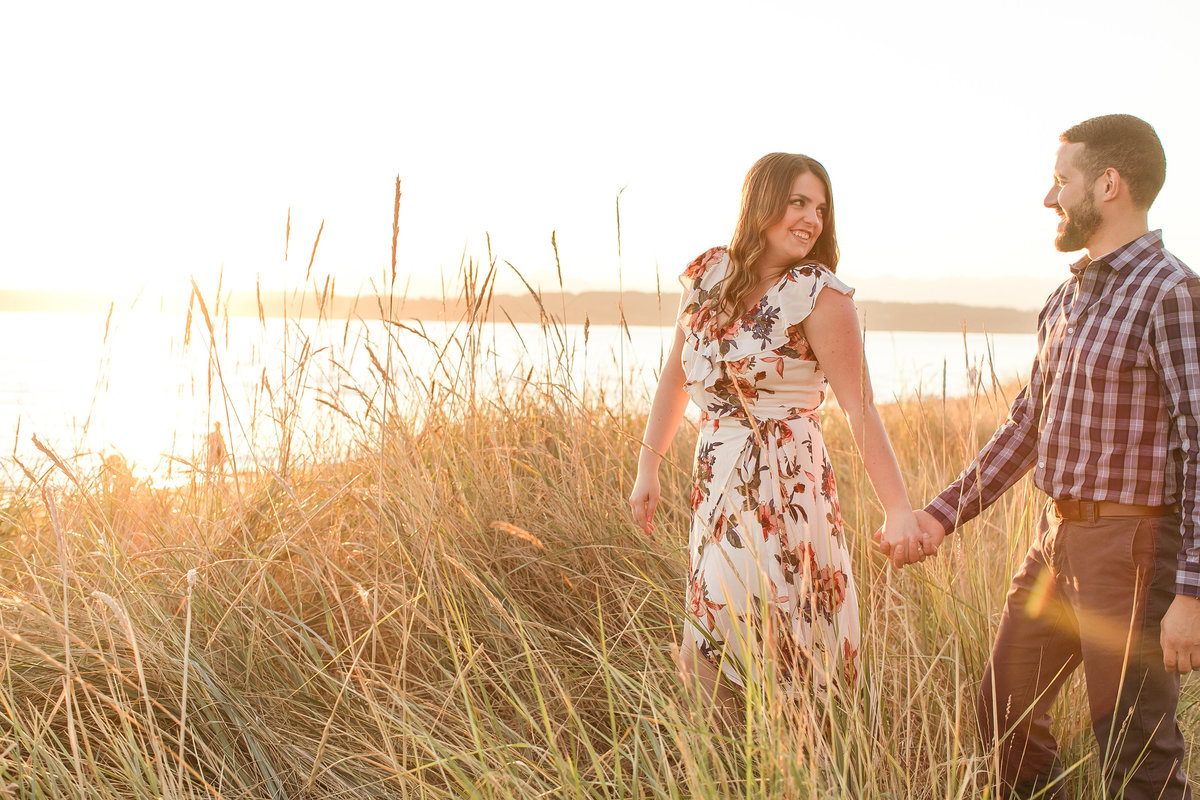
(1082, 222)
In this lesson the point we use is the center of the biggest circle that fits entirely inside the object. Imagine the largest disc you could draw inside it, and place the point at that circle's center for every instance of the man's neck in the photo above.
(1112, 236)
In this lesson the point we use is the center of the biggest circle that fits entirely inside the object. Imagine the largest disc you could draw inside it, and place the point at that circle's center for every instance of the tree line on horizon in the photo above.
(595, 308)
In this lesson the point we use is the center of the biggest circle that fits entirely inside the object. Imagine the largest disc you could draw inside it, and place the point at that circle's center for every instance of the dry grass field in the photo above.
(459, 607)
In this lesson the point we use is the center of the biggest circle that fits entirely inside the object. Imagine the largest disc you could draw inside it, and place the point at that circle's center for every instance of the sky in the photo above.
(150, 144)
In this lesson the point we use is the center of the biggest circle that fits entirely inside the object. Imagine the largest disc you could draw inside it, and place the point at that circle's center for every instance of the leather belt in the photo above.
(1092, 510)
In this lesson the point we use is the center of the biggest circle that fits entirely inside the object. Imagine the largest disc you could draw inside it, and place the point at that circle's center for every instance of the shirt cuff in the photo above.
(1187, 577)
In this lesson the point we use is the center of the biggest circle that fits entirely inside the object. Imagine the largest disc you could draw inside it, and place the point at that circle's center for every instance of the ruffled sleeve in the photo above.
(794, 298)
(699, 280)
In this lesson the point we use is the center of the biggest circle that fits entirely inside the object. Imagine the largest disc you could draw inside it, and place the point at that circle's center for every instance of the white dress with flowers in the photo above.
(768, 569)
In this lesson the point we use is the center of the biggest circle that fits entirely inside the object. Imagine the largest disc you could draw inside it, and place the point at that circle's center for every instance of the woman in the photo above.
(763, 326)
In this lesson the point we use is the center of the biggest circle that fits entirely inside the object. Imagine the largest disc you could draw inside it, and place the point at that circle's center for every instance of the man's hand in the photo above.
(932, 532)
(1180, 635)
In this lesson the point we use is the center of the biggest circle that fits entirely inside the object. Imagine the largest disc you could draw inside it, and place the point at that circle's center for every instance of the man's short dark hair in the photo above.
(1127, 144)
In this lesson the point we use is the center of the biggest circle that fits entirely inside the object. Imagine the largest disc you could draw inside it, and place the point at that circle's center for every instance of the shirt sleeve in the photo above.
(1177, 350)
(1007, 456)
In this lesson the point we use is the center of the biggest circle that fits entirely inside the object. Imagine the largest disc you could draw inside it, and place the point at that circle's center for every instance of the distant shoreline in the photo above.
(596, 308)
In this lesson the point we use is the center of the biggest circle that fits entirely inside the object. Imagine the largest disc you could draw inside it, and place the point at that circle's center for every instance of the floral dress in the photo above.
(768, 569)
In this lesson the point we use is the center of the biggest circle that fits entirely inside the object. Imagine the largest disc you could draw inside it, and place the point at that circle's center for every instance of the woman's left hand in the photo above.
(644, 499)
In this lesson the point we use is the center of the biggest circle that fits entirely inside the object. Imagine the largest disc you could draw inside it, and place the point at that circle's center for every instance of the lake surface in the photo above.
(149, 386)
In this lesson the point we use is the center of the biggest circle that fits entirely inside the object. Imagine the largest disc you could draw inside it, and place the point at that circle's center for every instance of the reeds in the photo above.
(456, 605)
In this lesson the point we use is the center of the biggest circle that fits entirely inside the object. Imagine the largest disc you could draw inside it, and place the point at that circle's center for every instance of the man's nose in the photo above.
(1051, 200)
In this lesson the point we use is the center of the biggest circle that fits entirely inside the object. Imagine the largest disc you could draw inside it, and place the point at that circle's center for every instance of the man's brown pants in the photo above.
(1090, 593)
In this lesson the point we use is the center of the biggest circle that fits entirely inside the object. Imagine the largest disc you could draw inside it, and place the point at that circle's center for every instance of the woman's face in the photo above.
(791, 238)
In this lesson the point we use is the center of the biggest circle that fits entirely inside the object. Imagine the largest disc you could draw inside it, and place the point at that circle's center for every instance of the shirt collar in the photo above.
(1124, 255)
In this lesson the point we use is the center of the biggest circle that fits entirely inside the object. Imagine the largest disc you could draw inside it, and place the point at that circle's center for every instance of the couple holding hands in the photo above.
(1109, 422)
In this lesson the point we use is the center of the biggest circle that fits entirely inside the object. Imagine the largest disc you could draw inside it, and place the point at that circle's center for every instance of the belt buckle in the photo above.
(1059, 504)
(1089, 510)
(1067, 508)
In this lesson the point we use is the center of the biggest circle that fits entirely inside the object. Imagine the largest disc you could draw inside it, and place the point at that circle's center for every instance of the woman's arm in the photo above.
(832, 332)
(666, 411)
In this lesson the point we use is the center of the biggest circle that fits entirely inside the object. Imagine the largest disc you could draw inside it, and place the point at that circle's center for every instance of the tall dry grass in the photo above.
(459, 607)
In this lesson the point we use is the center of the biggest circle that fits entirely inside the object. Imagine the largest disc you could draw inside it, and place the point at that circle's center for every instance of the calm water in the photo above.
(149, 390)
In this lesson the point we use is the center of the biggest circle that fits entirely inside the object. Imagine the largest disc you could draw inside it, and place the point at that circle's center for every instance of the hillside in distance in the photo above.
(643, 308)
(595, 308)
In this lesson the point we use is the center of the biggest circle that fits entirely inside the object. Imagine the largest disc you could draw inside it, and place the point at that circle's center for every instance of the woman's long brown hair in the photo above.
(765, 194)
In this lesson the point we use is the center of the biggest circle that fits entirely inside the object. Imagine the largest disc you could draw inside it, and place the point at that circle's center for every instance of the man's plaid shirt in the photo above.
(1112, 409)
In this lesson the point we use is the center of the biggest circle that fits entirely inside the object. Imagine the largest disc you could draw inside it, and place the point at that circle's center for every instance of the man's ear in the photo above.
(1109, 184)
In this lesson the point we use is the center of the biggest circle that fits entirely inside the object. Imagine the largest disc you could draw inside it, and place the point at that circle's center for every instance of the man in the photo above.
(1110, 424)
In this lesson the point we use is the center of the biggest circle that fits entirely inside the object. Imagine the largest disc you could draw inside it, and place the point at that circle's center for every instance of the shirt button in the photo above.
(1041, 465)
(1070, 330)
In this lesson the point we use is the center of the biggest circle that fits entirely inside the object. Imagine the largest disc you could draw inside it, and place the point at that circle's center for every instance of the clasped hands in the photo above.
(909, 538)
